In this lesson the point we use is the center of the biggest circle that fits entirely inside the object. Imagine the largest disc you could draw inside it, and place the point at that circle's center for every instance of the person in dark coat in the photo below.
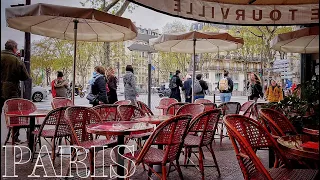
(99, 86)
(203, 85)
(13, 71)
(175, 83)
(254, 87)
(129, 82)
(112, 86)
(187, 88)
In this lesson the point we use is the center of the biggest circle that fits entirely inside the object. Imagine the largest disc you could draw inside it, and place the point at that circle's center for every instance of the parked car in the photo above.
(38, 93)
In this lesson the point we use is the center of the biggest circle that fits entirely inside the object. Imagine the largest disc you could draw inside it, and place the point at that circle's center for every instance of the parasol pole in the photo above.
(194, 68)
(74, 58)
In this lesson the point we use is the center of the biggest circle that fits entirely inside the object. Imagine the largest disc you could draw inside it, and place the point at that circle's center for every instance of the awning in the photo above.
(240, 12)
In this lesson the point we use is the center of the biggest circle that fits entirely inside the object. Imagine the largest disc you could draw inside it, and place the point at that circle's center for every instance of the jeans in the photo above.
(225, 97)
(199, 97)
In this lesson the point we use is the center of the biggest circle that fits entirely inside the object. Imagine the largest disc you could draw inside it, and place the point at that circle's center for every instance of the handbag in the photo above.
(92, 98)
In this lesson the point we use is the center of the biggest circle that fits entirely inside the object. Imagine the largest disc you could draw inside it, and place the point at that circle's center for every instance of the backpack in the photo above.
(197, 87)
(223, 84)
(173, 83)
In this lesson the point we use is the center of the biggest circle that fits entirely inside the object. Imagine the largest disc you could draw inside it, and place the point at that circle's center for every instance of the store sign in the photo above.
(206, 10)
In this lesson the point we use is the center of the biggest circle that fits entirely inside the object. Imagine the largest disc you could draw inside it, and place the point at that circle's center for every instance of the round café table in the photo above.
(294, 146)
(32, 115)
(119, 129)
(155, 119)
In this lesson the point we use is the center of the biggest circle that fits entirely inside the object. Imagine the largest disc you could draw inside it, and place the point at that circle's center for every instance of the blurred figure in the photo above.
(294, 86)
(129, 81)
(187, 88)
(204, 87)
(98, 83)
(175, 83)
(254, 88)
(112, 86)
(13, 71)
(59, 86)
(274, 92)
(225, 86)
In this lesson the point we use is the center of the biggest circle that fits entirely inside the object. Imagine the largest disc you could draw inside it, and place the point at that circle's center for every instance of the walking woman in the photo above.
(130, 91)
(112, 86)
(98, 92)
(254, 88)
(274, 92)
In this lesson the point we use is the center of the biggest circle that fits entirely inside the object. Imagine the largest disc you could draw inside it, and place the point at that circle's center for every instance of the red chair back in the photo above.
(209, 106)
(201, 101)
(129, 112)
(166, 102)
(205, 125)
(78, 118)
(60, 102)
(57, 119)
(278, 123)
(255, 110)
(192, 109)
(230, 108)
(18, 104)
(247, 135)
(107, 112)
(246, 108)
(170, 133)
(173, 108)
(123, 102)
(146, 110)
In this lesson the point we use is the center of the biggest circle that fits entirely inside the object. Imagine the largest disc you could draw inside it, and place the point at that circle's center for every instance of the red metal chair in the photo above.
(209, 106)
(171, 134)
(255, 111)
(278, 123)
(227, 108)
(192, 109)
(247, 135)
(246, 108)
(165, 103)
(129, 113)
(107, 112)
(123, 102)
(61, 102)
(146, 110)
(173, 108)
(201, 101)
(201, 134)
(77, 119)
(53, 127)
(15, 123)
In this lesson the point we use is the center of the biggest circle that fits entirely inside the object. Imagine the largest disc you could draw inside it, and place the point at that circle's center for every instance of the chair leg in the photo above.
(179, 169)
(164, 172)
(8, 136)
(214, 159)
(91, 159)
(201, 163)
(150, 172)
(36, 139)
(129, 169)
(221, 133)
(185, 155)
(53, 150)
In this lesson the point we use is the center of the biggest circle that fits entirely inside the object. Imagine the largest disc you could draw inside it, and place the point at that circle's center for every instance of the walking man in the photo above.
(175, 83)
(225, 87)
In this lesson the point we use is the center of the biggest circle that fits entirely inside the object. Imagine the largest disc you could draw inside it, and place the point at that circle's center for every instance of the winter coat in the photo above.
(256, 90)
(204, 87)
(112, 85)
(187, 88)
(130, 91)
(13, 71)
(274, 94)
(61, 87)
(99, 88)
(175, 92)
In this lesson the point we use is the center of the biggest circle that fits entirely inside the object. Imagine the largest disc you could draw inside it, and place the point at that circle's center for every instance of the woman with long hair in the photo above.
(112, 83)
(98, 92)
(254, 88)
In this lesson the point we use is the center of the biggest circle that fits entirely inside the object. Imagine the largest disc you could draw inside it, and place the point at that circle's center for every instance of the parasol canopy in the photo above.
(70, 23)
(196, 42)
(305, 40)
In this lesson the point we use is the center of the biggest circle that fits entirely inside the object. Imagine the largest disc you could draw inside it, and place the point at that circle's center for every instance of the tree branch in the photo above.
(123, 8)
(255, 34)
(109, 6)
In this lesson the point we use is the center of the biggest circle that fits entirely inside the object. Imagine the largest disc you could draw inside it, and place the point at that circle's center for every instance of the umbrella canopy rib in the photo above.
(124, 34)
(64, 33)
(175, 45)
(305, 48)
(93, 30)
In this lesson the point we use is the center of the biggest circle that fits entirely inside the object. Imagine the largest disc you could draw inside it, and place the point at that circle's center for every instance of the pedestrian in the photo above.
(13, 71)
(98, 84)
(59, 86)
(294, 86)
(225, 86)
(175, 83)
(112, 82)
(254, 88)
(129, 82)
(202, 85)
(274, 92)
(187, 88)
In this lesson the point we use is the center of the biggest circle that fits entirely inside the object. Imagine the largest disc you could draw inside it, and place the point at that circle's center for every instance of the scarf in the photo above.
(95, 76)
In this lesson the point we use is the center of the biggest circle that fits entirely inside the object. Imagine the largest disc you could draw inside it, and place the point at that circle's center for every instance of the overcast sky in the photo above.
(143, 17)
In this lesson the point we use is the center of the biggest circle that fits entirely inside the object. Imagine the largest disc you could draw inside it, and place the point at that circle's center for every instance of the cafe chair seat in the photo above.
(50, 133)
(153, 156)
(98, 142)
(299, 174)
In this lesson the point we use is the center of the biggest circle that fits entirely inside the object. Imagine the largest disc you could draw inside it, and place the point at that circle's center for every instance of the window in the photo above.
(218, 76)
